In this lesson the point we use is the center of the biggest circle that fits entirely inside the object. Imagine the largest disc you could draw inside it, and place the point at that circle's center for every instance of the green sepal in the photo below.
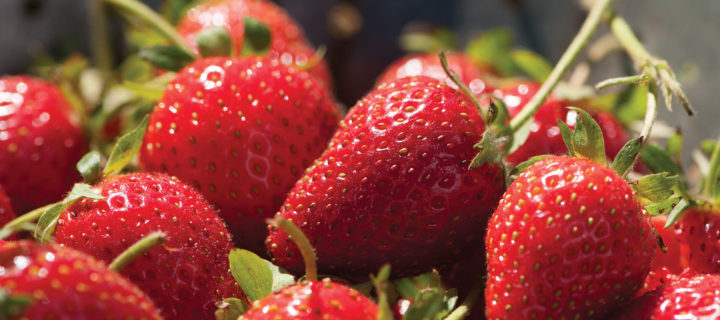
(231, 309)
(433, 41)
(380, 283)
(663, 207)
(532, 64)
(48, 220)
(173, 10)
(492, 48)
(679, 208)
(527, 163)
(89, 166)
(172, 58)
(674, 147)
(498, 114)
(711, 185)
(626, 157)
(410, 287)
(214, 42)
(587, 138)
(251, 273)
(657, 187)
(125, 149)
(658, 160)
(257, 38)
(428, 304)
(490, 152)
(566, 134)
(13, 305)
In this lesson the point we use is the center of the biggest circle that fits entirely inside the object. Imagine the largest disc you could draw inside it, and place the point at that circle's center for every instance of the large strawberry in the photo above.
(40, 142)
(6, 211)
(242, 131)
(394, 184)
(62, 283)
(288, 42)
(568, 240)
(428, 64)
(189, 273)
(698, 231)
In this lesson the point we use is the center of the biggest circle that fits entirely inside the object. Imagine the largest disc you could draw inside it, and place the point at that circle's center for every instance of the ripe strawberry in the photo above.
(40, 142)
(428, 64)
(314, 300)
(185, 276)
(66, 284)
(673, 259)
(394, 185)
(241, 131)
(568, 240)
(288, 42)
(6, 211)
(684, 297)
(699, 234)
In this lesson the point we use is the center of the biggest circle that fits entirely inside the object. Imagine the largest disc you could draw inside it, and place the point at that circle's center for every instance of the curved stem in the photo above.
(628, 40)
(29, 217)
(99, 39)
(650, 115)
(578, 43)
(137, 249)
(146, 14)
(463, 310)
(303, 244)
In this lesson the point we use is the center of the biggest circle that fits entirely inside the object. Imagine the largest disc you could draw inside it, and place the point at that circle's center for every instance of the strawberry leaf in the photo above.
(257, 37)
(658, 160)
(428, 304)
(280, 277)
(380, 284)
(214, 42)
(89, 166)
(566, 134)
(231, 309)
(533, 64)
(657, 187)
(173, 10)
(490, 152)
(171, 58)
(252, 273)
(12, 305)
(125, 149)
(48, 219)
(626, 157)
(676, 211)
(492, 48)
(526, 164)
(587, 138)
(712, 181)
(663, 207)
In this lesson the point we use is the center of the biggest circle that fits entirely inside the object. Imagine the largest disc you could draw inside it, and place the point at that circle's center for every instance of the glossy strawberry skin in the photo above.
(685, 297)
(40, 142)
(6, 210)
(314, 300)
(241, 131)
(288, 42)
(673, 259)
(67, 284)
(568, 239)
(699, 234)
(394, 185)
(188, 273)
(428, 64)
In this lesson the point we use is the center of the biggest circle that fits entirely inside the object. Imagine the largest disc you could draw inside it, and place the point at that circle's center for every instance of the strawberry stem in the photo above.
(578, 43)
(144, 13)
(712, 180)
(462, 311)
(463, 88)
(137, 249)
(303, 244)
(99, 40)
(30, 217)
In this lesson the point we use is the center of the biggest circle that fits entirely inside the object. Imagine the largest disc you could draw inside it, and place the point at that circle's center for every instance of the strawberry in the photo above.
(288, 42)
(185, 276)
(673, 259)
(394, 185)
(698, 232)
(685, 297)
(40, 142)
(241, 130)
(314, 300)
(6, 211)
(66, 284)
(428, 64)
(568, 240)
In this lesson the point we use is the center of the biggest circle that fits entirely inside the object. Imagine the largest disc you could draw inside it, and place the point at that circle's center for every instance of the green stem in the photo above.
(137, 249)
(99, 39)
(146, 14)
(578, 43)
(629, 41)
(303, 244)
(650, 115)
(29, 217)
(618, 81)
(463, 310)
(710, 183)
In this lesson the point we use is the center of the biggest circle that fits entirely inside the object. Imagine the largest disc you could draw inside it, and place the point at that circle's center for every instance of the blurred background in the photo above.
(362, 38)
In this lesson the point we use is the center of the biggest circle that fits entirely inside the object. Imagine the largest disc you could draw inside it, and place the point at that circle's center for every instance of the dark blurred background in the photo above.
(362, 37)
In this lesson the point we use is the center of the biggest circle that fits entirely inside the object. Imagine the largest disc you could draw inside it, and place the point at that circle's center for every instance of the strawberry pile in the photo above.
(212, 175)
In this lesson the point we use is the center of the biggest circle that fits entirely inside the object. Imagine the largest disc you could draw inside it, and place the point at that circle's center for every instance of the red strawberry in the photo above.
(699, 234)
(185, 276)
(568, 240)
(288, 42)
(428, 64)
(673, 259)
(66, 284)
(314, 300)
(241, 131)
(394, 185)
(684, 297)
(6, 211)
(40, 142)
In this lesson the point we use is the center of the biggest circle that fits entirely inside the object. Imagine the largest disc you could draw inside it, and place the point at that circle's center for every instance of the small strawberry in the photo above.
(288, 42)
(6, 211)
(685, 297)
(40, 142)
(394, 184)
(568, 240)
(698, 231)
(428, 64)
(185, 276)
(242, 131)
(62, 283)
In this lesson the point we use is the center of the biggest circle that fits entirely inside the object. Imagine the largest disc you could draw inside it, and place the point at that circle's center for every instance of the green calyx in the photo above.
(214, 42)
(13, 305)
(257, 38)
(256, 276)
(586, 140)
